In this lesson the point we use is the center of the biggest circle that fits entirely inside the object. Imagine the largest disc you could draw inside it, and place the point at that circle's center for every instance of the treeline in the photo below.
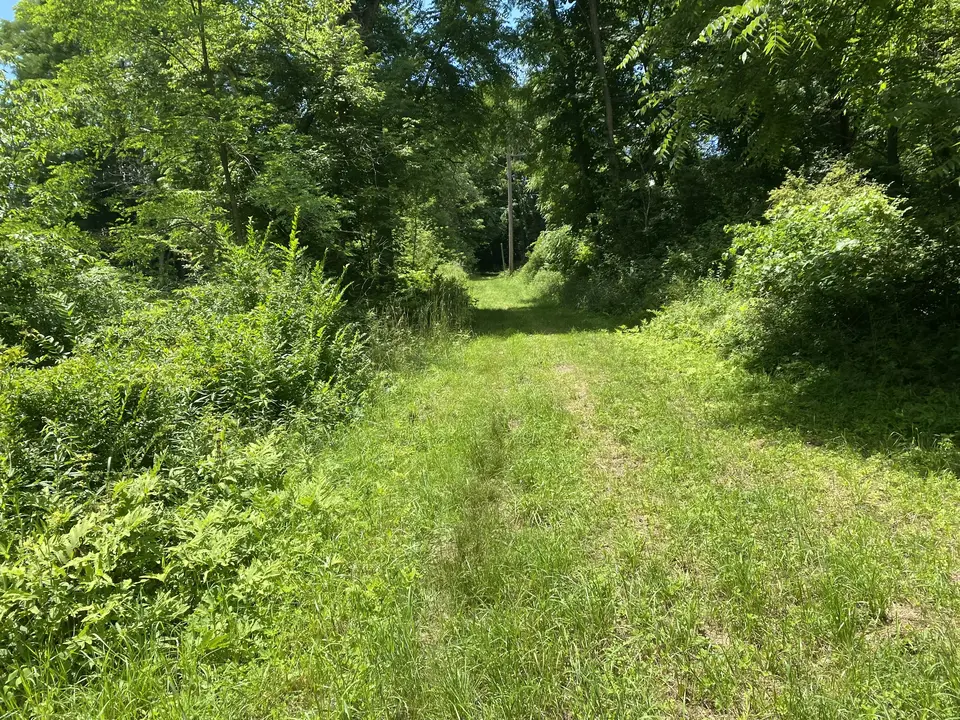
(663, 127)
(157, 129)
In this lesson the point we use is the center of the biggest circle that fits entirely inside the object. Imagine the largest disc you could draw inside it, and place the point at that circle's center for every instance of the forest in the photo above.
(480, 359)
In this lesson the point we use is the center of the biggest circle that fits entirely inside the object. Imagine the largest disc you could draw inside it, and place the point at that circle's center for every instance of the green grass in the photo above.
(558, 519)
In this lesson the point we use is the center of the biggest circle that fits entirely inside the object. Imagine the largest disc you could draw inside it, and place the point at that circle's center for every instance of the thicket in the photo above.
(837, 268)
(137, 470)
(52, 294)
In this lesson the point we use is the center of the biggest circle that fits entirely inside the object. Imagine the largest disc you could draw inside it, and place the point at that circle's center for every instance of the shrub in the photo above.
(606, 278)
(137, 474)
(52, 294)
(433, 299)
(558, 250)
(636, 287)
(837, 261)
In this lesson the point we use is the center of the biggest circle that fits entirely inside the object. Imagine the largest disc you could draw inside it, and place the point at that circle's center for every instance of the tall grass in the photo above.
(562, 518)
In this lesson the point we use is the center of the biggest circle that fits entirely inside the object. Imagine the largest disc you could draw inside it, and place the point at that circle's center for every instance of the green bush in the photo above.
(435, 299)
(558, 250)
(837, 261)
(598, 277)
(137, 475)
(634, 288)
(52, 294)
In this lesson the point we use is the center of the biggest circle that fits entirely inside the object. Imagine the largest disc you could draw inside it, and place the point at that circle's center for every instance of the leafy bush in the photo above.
(435, 299)
(613, 279)
(837, 261)
(558, 250)
(636, 287)
(52, 294)
(453, 271)
(138, 475)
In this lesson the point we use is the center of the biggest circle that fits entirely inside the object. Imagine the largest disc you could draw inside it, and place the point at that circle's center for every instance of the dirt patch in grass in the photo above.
(579, 403)
(617, 461)
(611, 458)
(612, 465)
(902, 619)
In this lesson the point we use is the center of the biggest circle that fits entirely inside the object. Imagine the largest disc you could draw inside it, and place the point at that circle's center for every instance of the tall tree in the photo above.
(598, 51)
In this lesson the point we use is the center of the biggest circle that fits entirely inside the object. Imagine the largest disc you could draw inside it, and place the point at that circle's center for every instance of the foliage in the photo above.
(690, 534)
(433, 300)
(51, 293)
(151, 124)
(838, 261)
(138, 472)
(871, 71)
(681, 117)
(559, 250)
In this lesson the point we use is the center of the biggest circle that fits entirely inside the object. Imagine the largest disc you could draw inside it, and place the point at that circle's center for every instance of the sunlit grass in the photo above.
(575, 522)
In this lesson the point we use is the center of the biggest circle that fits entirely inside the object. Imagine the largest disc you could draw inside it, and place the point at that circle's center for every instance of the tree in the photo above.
(206, 112)
(781, 79)
(598, 50)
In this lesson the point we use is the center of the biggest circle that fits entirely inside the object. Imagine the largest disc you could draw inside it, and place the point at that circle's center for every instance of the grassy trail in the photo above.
(559, 520)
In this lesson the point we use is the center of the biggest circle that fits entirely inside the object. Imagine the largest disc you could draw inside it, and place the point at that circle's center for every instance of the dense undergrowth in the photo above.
(145, 437)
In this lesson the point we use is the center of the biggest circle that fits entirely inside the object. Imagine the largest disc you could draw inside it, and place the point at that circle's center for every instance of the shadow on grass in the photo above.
(915, 423)
(540, 319)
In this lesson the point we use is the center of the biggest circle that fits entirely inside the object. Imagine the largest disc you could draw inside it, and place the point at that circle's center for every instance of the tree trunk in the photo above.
(602, 77)
(847, 137)
(579, 147)
(845, 134)
(222, 150)
(510, 208)
(365, 13)
(554, 15)
(892, 151)
(162, 264)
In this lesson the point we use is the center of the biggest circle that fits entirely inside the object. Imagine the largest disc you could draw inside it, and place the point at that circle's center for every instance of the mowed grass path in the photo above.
(556, 519)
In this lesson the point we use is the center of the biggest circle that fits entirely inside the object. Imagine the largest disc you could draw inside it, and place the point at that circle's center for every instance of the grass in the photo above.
(559, 519)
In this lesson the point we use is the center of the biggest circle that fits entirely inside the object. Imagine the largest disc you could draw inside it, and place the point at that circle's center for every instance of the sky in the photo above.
(6, 13)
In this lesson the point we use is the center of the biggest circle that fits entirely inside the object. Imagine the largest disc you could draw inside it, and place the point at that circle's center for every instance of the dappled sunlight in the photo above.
(509, 305)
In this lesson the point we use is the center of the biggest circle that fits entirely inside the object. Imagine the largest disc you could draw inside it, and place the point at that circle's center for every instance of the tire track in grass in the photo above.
(535, 547)
(612, 463)
(654, 612)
